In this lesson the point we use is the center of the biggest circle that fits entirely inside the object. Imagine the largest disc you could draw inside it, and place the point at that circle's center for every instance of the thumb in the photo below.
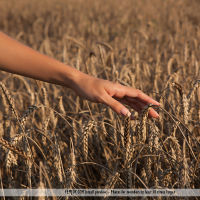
(117, 106)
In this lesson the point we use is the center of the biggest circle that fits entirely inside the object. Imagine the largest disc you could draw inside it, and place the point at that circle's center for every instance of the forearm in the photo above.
(20, 59)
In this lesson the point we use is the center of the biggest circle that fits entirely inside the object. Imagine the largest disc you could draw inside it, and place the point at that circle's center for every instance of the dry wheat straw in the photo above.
(184, 168)
(5, 105)
(128, 152)
(16, 141)
(53, 119)
(45, 125)
(157, 54)
(192, 90)
(144, 176)
(129, 177)
(112, 180)
(41, 184)
(13, 148)
(24, 118)
(184, 101)
(61, 106)
(174, 128)
(58, 161)
(126, 132)
(1, 182)
(44, 92)
(143, 120)
(75, 133)
(27, 85)
(10, 100)
(103, 128)
(71, 172)
(177, 148)
(191, 93)
(78, 59)
(86, 131)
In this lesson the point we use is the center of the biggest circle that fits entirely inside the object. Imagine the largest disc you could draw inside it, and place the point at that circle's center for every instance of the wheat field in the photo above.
(51, 138)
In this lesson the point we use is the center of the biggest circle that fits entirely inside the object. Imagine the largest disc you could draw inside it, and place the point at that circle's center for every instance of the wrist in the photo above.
(72, 78)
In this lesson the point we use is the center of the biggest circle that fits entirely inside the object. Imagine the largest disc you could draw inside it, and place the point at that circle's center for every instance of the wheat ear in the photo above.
(143, 120)
(112, 180)
(13, 148)
(61, 106)
(127, 146)
(184, 178)
(24, 118)
(184, 101)
(86, 130)
(195, 86)
(71, 172)
(127, 132)
(10, 100)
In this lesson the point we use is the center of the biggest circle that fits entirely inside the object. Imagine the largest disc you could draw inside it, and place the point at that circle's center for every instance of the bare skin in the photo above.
(20, 59)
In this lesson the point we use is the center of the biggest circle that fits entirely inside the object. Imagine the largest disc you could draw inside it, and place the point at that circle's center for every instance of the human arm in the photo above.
(20, 59)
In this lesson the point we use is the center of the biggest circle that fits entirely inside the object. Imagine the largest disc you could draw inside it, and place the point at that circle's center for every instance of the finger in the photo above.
(153, 113)
(139, 106)
(117, 106)
(138, 94)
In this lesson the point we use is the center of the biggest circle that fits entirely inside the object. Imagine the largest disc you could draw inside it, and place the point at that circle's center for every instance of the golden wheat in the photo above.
(79, 144)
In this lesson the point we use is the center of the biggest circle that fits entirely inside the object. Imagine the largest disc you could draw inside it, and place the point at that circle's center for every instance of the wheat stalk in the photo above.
(75, 133)
(71, 172)
(41, 184)
(177, 155)
(27, 85)
(143, 120)
(184, 175)
(13, 148)
(44, 92)
(195, 86)
(58, 161)
(112, 180)
(10, 100)
(86, 130)
(184, 101)
(61, 106)
(128, 151)
(126, 132)
(24, 118)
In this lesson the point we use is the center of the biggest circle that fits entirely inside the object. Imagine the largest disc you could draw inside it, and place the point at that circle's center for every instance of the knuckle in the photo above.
(101, 98)
(138, 92)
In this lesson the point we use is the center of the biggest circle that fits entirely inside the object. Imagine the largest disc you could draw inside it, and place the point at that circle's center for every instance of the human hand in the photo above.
(114, 95)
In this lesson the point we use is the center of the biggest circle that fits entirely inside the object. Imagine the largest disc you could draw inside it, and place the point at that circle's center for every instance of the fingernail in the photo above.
(125, 112)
